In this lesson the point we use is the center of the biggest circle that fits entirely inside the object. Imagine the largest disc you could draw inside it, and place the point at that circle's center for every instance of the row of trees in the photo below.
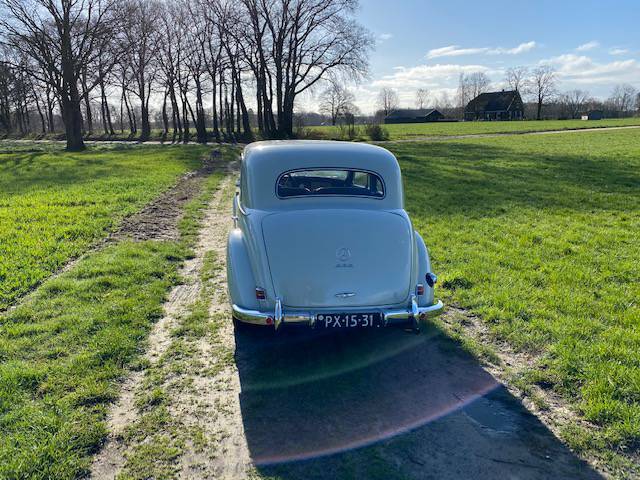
(96, 60)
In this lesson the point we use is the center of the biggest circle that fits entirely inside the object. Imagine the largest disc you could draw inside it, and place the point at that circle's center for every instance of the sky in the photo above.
(593, 45)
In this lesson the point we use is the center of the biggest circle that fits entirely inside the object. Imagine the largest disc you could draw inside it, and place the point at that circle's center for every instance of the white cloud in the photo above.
(456, 50)
(581, 69)
(618, 51)
(585, 47)
(385, 36)
(427, 76)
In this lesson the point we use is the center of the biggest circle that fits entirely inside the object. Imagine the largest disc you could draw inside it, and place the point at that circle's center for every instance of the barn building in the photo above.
(414, 116)
(593, 115)
(504, 105)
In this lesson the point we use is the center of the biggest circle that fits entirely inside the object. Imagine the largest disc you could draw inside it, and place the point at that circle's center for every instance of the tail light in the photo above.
(419, 289)
(431, 279)
(260, 293)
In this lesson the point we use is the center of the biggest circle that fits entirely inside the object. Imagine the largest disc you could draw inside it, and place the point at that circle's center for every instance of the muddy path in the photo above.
(210, 401)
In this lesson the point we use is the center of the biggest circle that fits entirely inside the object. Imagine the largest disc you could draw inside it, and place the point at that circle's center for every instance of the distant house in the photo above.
(593, 115)
(504, 105)
(413, 116)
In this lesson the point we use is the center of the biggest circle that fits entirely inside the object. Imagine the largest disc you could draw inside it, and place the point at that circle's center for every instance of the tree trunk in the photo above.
(185, 119)
(242, 107)
(122, 112)
(201, 128)
(175, 109)
(103, 113)
(539, 114)
(106, 120)
(41, 114)
(214, 109)
(130, 115)
(72, 116)
(87, 104)
(145, 133)
(221, 102)
(165, 116)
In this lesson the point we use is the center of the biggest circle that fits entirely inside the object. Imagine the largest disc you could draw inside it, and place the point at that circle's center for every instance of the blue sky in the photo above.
(427, 43)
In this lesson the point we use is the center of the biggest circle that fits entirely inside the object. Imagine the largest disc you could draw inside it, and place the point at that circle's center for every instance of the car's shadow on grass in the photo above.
(386, 404)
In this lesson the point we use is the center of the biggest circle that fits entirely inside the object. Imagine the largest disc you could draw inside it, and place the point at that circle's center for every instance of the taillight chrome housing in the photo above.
(261, 294)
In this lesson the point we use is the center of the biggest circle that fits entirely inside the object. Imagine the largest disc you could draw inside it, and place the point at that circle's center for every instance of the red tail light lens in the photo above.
(260, 293)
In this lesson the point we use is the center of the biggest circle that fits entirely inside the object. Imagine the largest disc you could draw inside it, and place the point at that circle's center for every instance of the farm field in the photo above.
(415, 130)
(64, 348)
(535, 235)
(540, 239)
(54, 204)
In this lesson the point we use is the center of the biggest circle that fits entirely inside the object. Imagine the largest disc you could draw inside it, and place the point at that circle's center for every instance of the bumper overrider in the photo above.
(411, 315)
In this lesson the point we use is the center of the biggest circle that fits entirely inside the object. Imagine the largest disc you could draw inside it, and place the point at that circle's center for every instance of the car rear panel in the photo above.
(332, 258)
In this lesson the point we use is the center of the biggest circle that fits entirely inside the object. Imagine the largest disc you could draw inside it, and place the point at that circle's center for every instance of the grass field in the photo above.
(444, 129)
(64, 348)
(540, 238)
(54, 204)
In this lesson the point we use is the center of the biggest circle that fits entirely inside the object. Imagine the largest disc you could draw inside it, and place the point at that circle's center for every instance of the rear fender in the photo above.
(424, 267)
(240, 278)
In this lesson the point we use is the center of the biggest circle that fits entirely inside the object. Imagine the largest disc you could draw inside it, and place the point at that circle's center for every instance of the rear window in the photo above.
(301, 183)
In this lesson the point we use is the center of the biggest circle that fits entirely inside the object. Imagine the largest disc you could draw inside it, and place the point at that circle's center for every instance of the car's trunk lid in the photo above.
(339, 258)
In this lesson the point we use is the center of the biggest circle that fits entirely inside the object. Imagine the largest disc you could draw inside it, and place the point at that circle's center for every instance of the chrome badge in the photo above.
(343, 254)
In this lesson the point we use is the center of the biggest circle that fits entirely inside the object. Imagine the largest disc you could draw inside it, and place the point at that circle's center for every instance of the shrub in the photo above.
(377, 132)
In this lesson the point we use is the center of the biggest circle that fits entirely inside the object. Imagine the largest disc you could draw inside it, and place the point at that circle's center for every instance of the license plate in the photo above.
(349, 320)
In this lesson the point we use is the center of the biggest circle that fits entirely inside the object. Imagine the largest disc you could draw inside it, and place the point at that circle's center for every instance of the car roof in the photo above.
(263, 162)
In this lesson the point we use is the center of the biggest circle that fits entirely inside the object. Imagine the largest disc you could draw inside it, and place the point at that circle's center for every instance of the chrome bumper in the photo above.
(411, 315)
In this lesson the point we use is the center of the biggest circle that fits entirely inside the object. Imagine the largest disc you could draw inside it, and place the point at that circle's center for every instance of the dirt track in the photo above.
(304, 405)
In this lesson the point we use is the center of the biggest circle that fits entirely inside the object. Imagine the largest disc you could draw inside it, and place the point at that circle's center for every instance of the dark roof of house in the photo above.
(493, 101)
(411, 113)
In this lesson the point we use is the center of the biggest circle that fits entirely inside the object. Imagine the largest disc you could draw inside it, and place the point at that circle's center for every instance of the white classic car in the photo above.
(321, 238)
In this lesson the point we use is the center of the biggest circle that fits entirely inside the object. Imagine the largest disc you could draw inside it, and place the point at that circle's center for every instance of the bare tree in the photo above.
(470, 86)
(463, 93)
(443, 101)
(573, 102)
(622, 98)
(336, 101)
(422, 98)
(387, 100)
(517, 78)
(478, 83)
(301, 42)
(543, 85)
(62, 38)
(142, 49)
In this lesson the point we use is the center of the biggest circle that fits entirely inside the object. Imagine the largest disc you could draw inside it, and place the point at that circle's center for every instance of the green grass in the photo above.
(540, 237)
(64, 348)
(54, 204)
(443, 129)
